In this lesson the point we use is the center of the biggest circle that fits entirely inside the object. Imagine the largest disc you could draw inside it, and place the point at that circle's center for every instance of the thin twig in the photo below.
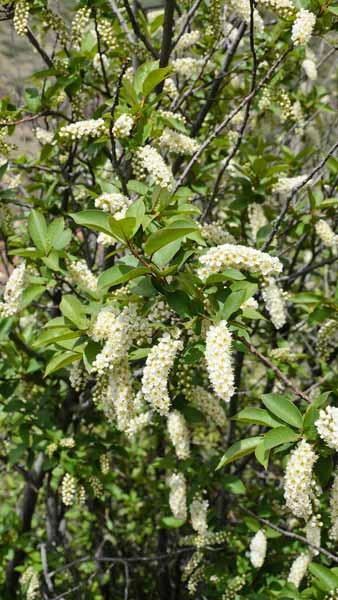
(290, 534)
(219, 128)
(277, 371)
(294, 194)
(137, 30)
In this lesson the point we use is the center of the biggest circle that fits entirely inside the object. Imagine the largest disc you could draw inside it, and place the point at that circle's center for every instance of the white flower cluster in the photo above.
(258, 546)
(103, 325)
(274, 302)
(169, 87)
(82, 129)
(68, 489)
(67, 442)
(43, 136)
(283, 8)
(243, 10)
(123, 126)
(215, 234)
(21, 14)
(239, 257)
(178, 495)
(257, 218)
(298, 480)
(188, 39)
(97, 62)
(325, 233)
(107, 33)
(327, 338)
(137, 423)
(299, 568)
(218, 359)
(250, 303)
(30, 580)
(327, 426)
(285, 105)
(169, 114)
(79, 23)
(208, 404)
(13, 292)
(285, 185)
(334, 509)
(313, 533)
(303, 27)
(148, 160)
(120, 391)
(310, 69)
(198, 513)
(155, 374)
(77, 376)
(119, 338)
(187, 67)
(179, 434)
(115, 203)
(82, 275)
(177, 142)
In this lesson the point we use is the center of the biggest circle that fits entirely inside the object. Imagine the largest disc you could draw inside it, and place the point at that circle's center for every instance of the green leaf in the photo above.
(120, 274)
(61, 360)
(232, 304)
(239, 449)
(163, 256)
(55, 229)
(283, 408)
(333, 10)
(33, 99)
(122, 229)
(311, 415)
(52, 335)
(137, 211)
(327, 578)
(72, 308)
(172, 523)
(97, 220)
(279, 435)
(257, 416)
(165, 236)
(262, 454)
(154, 78)
(38, 231)
(234, 484)
(32, 292)
(137, 186)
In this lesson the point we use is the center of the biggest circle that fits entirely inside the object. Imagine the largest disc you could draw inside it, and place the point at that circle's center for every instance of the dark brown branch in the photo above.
(277, 371)
(137, 30)
(290, 198)
(290, 534)
(40, 50)
(167, 36)
(30, 497)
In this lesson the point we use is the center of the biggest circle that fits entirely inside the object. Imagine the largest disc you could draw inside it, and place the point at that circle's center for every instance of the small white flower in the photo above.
(258, 547)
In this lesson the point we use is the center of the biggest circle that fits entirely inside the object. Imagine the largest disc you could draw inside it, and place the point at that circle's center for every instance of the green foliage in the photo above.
(138, 458)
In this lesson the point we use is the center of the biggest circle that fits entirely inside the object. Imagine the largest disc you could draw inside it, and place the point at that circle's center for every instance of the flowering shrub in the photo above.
(169, 311)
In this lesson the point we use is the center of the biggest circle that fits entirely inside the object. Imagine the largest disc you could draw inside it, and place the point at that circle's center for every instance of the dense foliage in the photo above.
(169, 320)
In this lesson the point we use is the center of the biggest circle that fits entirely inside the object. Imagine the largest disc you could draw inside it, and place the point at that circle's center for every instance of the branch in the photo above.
(219, 128)
(277, 371)
(218, 81)
(40, 50)
(137, 30)
(30, 497)
(291, 535)
(294, 194)
(166, 46)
